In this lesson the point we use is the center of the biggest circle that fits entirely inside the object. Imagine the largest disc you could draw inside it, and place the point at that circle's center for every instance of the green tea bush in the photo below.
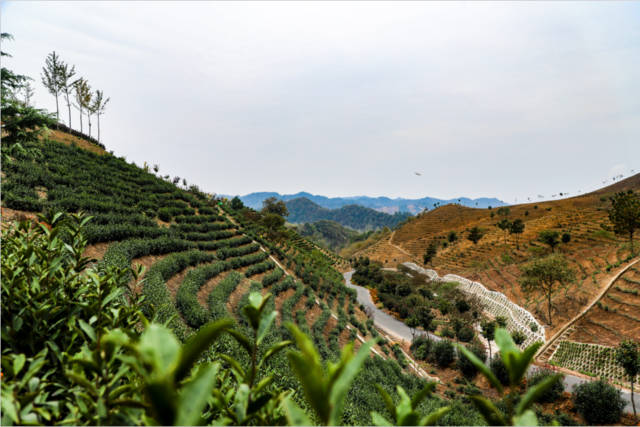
(554, 392)
(444, 353)
(186, 298)
(259, 268)
(227, 252)
(598, 402)
(271, 278)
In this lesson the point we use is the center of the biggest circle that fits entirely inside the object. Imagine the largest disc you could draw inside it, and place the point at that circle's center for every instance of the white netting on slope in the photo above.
(495, 303)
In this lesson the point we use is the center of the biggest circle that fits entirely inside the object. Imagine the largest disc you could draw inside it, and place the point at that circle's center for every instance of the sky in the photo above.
(506, 99)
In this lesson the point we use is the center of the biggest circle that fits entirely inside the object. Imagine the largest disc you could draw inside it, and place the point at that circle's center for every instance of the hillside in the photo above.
(382, 204)
(303, 210)
(593, 252)
(202, 260)
(330, 234)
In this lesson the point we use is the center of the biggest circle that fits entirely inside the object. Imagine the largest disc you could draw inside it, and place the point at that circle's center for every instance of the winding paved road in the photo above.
(400, 331)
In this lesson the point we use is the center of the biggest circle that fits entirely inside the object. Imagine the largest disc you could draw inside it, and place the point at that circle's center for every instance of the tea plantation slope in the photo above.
(199, 244)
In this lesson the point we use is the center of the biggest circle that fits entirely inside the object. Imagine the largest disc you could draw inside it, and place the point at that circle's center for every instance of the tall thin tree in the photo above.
(80, 90)
(67, 84)
(99, 104)
(51, 77)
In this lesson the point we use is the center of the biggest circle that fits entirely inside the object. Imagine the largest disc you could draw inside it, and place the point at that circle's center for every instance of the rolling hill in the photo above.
(303, 210)
(202, 261)
(593, 251)
(382, 204)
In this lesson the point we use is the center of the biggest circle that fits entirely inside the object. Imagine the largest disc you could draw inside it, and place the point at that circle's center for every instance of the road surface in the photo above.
(399, 330)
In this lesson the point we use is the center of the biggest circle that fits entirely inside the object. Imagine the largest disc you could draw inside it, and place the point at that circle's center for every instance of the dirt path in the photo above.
(584, 311)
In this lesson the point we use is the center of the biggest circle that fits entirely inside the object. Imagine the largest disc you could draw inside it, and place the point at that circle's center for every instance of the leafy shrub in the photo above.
(499, 369)
(259, 268)
(194, 314)
(465, 366)
(554, 392)
(598, 402)
(444, 353)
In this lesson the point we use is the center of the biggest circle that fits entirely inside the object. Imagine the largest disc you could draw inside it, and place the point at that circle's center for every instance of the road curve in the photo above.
(399, 330)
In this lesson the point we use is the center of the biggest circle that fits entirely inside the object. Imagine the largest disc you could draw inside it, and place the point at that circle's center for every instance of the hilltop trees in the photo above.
(98, 106)
(20, 122)
(65, 74)
(82, 94)
(543, 274)
(57, 77)
(628, 356)
(625, 214)
(51, 77)
(274, 206)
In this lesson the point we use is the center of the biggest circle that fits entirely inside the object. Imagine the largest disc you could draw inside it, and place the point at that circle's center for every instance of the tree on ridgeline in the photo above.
(236, 203)
(475, 234)
(20, 122)
(65, 76)
(517, 228)
(51, 77)
(81, 90)
(549, 237)
(275, 206)
(625, 215)
(544, 274)
(628, 357)
(99, 105)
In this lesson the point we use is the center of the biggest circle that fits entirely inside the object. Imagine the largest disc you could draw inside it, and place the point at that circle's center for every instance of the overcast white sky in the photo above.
(506, 99)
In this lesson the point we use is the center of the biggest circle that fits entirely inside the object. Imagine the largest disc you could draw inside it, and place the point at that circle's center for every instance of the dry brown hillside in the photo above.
(593, 247)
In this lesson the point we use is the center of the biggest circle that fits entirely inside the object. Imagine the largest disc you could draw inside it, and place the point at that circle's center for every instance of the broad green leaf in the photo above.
(419, 396)
(342, 384)
(491, 414)
(403, 407)
(388, 401)
(432, 418)
(159, 348)
(194, 395)
(526, 419)
(255, 299)
(8, 407)
(295, 415)
(534, 393)
(273, 350)
(265, 324)
(88, 329)
(379, 420)
(484, 369)
(235, 366)
(312, 384)
(240, 403)
(198, 343)
(18, 363)
(242, 340)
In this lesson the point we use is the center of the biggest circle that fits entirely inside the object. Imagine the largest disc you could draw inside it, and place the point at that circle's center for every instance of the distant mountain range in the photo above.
(382, 204)
(303, 210)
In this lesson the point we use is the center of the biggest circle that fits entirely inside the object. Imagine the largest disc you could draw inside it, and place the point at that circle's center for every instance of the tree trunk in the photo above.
(57, 109)
(549, 308)
(633, 402)
(489, 342)
(69, 107)
(80, 120)
(98, 127)
(89, 120)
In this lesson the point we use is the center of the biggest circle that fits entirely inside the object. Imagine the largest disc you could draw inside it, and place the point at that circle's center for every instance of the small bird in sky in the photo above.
(418, 173)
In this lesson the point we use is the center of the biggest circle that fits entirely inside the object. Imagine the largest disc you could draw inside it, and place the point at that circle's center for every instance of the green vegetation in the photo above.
(598, 402)
(330, 234)
(625, 214)
(303, 210)
(544, 274)
(628, 357)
